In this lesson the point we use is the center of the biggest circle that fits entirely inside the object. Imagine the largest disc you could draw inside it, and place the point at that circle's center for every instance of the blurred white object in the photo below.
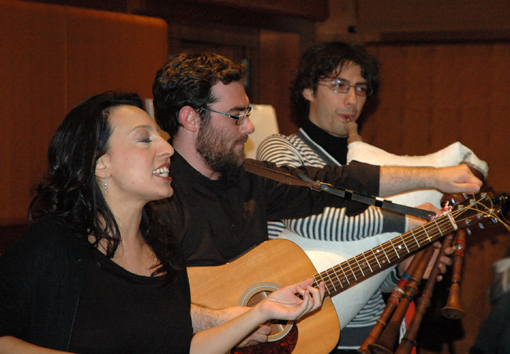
(263, 117)
(451, 155)
(149, 107)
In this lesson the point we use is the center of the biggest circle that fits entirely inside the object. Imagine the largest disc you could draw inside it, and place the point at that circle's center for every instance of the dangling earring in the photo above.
(106, 182)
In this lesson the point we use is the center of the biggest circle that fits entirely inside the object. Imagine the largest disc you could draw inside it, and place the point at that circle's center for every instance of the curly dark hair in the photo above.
(326, 60)
(187, 80)
(69, 190)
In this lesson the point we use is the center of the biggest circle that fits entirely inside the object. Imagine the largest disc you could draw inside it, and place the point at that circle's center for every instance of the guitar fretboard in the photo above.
(358, 268)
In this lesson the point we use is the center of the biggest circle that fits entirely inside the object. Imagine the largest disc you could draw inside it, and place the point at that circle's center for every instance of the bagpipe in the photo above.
(384, 337)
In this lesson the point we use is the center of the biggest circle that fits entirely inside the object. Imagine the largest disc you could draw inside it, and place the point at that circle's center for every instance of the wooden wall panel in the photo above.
(33, 86)
(432, 96)
(279, 58)
(314, 10)
(52, 58)
(235, 10)
(113, 51)
(436, 20)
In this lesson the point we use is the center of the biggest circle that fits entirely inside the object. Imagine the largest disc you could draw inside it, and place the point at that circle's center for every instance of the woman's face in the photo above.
(137, 161)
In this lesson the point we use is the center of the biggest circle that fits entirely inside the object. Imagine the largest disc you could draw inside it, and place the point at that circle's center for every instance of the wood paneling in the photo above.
(434, 95)
(316, 10)
(52, 58)
(313, 10)
(280, 55)
(394, 20)
(32, 80)
(112, 51)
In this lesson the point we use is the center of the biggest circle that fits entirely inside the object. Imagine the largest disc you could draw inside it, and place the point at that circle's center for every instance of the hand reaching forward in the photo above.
(457, 179)
(284, 304)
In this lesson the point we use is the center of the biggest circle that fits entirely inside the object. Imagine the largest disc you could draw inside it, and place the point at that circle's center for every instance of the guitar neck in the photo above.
(356, 269)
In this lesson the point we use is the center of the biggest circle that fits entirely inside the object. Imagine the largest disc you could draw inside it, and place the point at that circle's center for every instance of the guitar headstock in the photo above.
(480, 210)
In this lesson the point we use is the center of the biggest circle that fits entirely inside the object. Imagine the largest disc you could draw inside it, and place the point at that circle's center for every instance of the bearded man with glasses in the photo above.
(219, 210)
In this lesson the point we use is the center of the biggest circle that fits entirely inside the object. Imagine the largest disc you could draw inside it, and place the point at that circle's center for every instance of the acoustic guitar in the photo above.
(277, 263)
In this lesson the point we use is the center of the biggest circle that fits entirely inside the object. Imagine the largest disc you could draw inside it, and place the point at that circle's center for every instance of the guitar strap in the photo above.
(261, 169)
(316, 148)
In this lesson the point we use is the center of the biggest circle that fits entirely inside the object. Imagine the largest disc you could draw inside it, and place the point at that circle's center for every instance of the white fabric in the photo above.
(450, 156)
(327, 254)
(332, 226)
(263, 118)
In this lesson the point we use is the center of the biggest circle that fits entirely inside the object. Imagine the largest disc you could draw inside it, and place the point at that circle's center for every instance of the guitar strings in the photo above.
(421, 237)
(351, 271)
(407, 243)
(427, 232)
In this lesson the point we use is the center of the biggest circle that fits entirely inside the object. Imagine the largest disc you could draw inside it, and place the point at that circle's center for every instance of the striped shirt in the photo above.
(331, 225)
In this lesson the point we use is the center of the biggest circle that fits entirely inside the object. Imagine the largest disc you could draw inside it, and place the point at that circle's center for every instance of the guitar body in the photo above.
(278, 262)
(326, 254)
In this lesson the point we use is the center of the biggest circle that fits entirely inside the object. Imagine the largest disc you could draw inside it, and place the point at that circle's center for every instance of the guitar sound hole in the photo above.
(257, 293)
(283, 346)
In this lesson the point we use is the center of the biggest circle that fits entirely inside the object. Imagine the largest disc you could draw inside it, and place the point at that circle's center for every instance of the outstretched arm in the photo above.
(282, 304)
(204, 318)
(452, 179)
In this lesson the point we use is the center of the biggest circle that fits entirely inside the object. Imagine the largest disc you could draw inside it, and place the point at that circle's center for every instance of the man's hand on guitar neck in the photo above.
(445, 261)
(414, 222)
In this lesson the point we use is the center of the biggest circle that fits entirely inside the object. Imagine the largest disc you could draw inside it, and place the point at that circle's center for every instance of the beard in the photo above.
(218, 151)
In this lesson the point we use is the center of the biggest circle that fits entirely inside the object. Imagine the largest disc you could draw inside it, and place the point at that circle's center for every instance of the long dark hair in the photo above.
(69, 189)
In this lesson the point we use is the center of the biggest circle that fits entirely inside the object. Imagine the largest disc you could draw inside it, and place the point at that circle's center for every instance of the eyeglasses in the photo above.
(239, 118)
(343, 86)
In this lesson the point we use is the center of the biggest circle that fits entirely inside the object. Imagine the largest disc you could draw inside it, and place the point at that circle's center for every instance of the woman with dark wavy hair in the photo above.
(94, 273)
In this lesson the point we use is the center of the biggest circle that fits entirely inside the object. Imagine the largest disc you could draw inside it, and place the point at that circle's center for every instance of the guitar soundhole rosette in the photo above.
(254, 295)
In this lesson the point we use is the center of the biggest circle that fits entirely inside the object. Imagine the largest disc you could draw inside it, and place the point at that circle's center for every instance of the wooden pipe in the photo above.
(453, 309)
(391, 305)
(387, 341)
(422, 304)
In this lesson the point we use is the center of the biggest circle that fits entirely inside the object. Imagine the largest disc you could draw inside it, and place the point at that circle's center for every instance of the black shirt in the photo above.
(125, 313)
(335, 146)
(41, 281)
(217, 221)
